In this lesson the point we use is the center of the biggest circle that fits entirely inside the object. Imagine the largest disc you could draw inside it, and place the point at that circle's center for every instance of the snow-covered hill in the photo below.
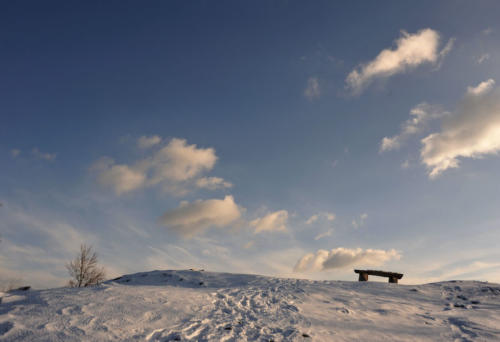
(205, 306)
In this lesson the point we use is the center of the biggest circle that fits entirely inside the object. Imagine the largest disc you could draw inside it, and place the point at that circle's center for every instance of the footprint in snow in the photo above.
(70, 310)
(343, 310)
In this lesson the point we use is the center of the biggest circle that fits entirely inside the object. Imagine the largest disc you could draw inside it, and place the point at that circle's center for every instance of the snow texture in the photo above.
(195, 305)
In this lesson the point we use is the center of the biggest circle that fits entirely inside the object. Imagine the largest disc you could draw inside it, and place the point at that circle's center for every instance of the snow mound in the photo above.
(193, 305)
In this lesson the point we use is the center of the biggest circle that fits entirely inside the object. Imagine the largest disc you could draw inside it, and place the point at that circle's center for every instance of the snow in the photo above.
(195, 305)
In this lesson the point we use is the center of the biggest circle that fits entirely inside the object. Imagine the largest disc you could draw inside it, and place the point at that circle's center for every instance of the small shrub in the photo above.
(84, 270)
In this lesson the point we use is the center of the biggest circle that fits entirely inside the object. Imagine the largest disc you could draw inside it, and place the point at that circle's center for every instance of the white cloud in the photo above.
(179, 162)
(339, 258)
(173, 166)
(389, 143)
(147, 142)
(212, 183)
(405, 164)
(411, 51)
(42, 155)
(121, 178)
(419, 117)
(322, 235)
(15, 152)
(487, 31)
(312, 219)
(473, 132)
(326, 215)
(356, 223)
(275, 221)
(481, 88)
(192, 218)
(446, 50)
(313, 90)
(249, 244)
(330, 216)
(482, 58)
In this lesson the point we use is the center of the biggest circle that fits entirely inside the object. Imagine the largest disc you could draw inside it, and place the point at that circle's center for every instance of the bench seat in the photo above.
(393, 276)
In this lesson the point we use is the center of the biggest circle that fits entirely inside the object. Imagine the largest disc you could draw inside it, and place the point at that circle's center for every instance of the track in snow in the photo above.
(205, 306)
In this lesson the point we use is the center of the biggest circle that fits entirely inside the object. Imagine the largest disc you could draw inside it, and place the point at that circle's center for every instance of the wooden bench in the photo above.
(393, 277)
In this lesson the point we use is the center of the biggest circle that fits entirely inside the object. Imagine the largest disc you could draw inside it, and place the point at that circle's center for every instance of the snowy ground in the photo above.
(205, 306)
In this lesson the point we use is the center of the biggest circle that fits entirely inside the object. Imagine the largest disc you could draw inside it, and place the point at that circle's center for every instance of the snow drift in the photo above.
(206, 306)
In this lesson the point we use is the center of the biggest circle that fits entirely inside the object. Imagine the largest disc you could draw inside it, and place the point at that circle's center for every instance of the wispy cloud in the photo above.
(338, 258)
(484, 57)
(64, 235)
(324, 234)
(148, 141)
(15, 152)
(249, 244)
(487, 31)
(212, 183)
(473, 269)
(313, 90)
(312, 219)
(43, 155)
(39, 261)
(323, 215)
(419, 117)
(359, 222)
(411, 51)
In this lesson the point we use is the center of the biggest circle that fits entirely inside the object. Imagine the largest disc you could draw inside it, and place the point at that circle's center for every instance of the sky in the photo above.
(285, 138)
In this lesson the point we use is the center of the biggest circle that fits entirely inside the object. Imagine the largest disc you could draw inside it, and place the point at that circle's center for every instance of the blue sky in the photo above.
(283, 138)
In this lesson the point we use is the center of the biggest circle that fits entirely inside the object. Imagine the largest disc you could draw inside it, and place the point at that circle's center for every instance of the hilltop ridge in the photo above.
(195, 305)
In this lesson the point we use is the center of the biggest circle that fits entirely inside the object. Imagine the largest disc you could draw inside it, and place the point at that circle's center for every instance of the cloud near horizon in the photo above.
(173, 165)
(411, 51)
(190, 219)
(275, 221)
(472, 132)
(339, 258)
(41, 260)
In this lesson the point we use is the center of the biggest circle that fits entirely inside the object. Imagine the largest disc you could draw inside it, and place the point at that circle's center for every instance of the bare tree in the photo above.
(84, 270)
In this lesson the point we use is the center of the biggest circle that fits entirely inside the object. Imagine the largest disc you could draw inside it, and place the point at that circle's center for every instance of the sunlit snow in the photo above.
(194, 305)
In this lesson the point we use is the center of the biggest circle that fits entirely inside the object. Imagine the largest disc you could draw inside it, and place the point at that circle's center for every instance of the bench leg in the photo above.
(363, 277)
(393, 280)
